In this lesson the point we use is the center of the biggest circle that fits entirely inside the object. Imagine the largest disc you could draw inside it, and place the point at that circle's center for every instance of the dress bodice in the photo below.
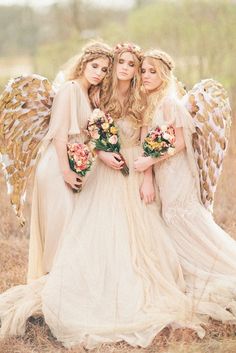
(176, 176)
(129, 134)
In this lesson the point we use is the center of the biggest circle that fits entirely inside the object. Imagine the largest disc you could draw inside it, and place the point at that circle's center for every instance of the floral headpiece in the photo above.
(161, 55)
(131, 47)
(99, 52)
(98, 48)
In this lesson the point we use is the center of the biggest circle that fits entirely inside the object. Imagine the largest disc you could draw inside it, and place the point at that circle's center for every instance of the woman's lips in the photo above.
(96, 78)
(123, 73)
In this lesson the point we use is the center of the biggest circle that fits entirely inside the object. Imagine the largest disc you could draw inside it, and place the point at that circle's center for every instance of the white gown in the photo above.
(53, 201)
(116, 275)
(207, 253)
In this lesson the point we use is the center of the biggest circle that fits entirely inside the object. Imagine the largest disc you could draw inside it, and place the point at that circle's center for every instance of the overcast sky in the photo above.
(117, 3)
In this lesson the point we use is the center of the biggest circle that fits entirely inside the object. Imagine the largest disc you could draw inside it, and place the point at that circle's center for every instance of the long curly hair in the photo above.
(133, 106)
(164, 65)
(75, 67)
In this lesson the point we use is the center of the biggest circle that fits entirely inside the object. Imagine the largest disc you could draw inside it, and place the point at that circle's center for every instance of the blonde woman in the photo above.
(116, 275)
(206, 252)
(53, 198)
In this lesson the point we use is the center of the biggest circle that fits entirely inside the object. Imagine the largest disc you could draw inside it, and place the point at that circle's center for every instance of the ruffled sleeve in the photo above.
(64, 115)
(175, 113)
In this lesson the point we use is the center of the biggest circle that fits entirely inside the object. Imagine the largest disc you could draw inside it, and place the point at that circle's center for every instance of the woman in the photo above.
(207, 253)
(53, 198)
(116, 275)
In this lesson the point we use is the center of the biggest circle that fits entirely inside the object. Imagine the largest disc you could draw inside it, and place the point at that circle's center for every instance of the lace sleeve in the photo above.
(64, 114)
(174, 113)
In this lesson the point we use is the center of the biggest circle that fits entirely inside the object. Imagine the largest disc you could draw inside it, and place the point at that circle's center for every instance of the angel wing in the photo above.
(208, 103)
(25, 106)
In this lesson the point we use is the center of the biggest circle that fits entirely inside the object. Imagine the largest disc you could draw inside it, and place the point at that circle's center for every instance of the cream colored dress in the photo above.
(53, 200)
(207, 253)
(116, 275)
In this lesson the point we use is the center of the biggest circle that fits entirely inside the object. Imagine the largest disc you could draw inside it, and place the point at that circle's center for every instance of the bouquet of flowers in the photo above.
(80, 158)
(159, 141)
(104, 135)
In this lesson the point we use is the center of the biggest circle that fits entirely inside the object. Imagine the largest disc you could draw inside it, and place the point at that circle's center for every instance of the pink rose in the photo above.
(95, 135)
(153, 136)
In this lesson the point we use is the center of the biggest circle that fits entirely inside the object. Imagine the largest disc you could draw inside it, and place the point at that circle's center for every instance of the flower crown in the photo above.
(162, 56)
(99, 52)
(97, 48)
(131, 47)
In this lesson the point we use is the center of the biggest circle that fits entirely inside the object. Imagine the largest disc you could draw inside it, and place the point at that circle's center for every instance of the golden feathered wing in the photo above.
(25, 107)
(208, 103)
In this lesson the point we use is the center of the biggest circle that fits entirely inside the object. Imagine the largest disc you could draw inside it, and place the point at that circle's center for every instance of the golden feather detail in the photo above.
(24, 118)
(208, 103)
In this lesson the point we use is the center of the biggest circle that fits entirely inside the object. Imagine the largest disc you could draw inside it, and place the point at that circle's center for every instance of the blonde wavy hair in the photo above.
(75, 67)
(164, 65)
(134, 103)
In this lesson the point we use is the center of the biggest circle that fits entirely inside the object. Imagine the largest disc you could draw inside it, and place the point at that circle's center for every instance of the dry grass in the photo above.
(38, 339)
(220, 338)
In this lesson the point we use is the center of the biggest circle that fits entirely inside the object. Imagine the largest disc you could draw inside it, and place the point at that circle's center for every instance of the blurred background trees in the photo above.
(199, 34)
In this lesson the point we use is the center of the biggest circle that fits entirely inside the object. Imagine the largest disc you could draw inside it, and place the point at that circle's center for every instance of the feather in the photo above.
(208, 103)
(25, 106)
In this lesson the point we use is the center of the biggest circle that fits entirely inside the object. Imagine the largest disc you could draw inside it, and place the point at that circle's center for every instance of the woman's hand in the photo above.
(111, 159)
(147, 191)
(143, 163)
(72, 179)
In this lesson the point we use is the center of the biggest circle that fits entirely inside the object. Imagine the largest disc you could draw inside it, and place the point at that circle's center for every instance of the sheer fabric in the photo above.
(53, 201)
(116, 275)
(207, 253)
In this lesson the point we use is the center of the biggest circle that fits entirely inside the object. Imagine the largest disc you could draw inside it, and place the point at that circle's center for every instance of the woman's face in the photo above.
(96, 70)
(150, 76)
(125, 68)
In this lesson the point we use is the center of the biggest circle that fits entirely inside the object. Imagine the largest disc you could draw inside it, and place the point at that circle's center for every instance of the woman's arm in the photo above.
(143, 163)
(147, 190)
(69, 176)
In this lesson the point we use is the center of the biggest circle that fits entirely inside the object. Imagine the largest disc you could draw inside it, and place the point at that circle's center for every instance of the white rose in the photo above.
(166, 136)
(97, 113)
(163, 128)
(113, 139)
